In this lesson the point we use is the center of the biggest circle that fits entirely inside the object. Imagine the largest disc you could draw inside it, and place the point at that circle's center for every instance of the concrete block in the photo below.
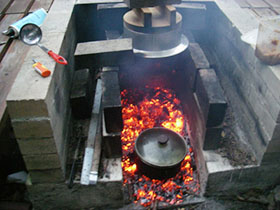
(46, 176)
(212, 139)
(211, 97)
(32, 127)
(38, 162)
(104, 53)
(37, 146)
(111, 100)
(27, 108)
(81, 96)
(147, 3)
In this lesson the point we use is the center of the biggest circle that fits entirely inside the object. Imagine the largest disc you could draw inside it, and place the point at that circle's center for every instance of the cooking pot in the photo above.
(160, 152)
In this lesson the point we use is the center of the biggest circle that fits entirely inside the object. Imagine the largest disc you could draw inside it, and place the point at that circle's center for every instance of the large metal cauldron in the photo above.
(160, 152)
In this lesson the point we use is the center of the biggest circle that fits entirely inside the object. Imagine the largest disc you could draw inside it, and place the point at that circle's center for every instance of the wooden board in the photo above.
(264, 12)
(277, 10)
(257, 3)
(3, 5)
(19, 6)
(9, 68)
(273, 3)
(242, 3)
(46, 4)
(6, 21)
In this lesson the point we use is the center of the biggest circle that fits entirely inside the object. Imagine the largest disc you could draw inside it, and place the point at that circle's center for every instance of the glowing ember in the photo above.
(154, 107)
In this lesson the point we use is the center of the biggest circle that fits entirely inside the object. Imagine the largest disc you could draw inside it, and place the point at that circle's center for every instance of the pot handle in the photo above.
(162, 140)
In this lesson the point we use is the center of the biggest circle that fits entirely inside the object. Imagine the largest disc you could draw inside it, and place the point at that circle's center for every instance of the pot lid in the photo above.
(160, 147)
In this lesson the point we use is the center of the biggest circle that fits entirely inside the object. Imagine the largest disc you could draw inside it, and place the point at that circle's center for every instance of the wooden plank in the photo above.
(6, 21)
(46, 4)
(273, 3)
(19, 6)
(9, 68)
(277, 10)
(243, 3)
(264, 12)
(4, 4)
(258, 4)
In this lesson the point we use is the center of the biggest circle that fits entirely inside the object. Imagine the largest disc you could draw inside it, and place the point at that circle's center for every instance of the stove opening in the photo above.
(149, 103)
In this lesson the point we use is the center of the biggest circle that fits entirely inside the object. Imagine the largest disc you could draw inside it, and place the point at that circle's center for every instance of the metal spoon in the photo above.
(31, 34)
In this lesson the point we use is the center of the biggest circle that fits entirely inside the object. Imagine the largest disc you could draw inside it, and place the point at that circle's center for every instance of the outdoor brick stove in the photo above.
(229, 100)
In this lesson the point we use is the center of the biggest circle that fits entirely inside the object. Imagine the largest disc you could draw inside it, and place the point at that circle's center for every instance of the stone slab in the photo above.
(41, 162)
(104, 53)
(46, 176)
(211, 97)
(37, 146)
(32, 128)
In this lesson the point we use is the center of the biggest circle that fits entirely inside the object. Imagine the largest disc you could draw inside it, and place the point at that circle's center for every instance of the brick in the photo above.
(38, 162)
(104, 53)
(46, 176)
(198, 56)
(270, 158)
(111, 100)
(81, 96)
(37, 146)
(111, 142)
(199, 59)
(212, 138)
(32, 128)
(210, 97)
(27, 108)
(193, 14)
(273, 146)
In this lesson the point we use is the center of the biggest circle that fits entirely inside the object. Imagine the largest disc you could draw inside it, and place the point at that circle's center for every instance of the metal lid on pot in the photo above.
(160, 147)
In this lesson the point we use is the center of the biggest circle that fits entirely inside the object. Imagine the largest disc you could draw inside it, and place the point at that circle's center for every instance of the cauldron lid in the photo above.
(160, 147)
